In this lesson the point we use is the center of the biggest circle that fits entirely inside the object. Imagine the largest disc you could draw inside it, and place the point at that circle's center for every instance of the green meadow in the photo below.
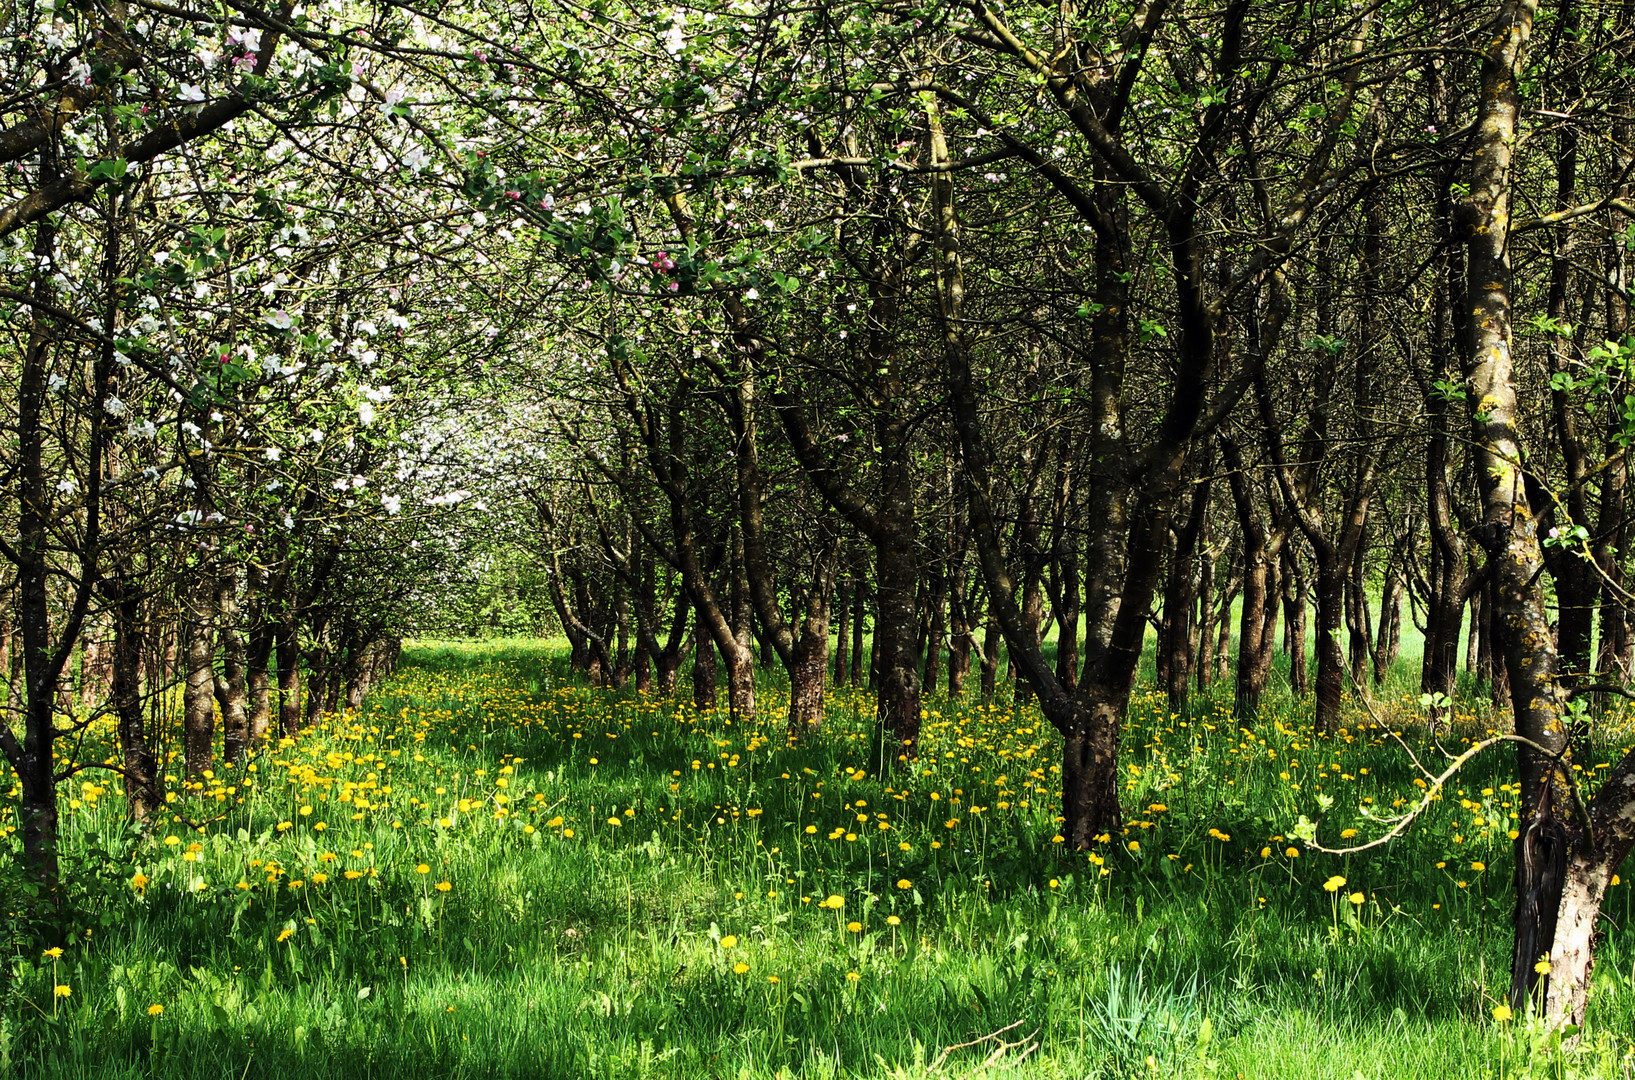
(493, 870)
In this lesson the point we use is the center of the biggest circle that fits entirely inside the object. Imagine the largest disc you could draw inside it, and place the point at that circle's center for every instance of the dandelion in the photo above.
(139, 882)
(1478, 866)
(155, 1009)
(1334, 884)
(834, 902)
(443, 886)
(740, 968)
(1292, 852)
(904, 883)
(852, 976)
(892, 920)
(285, 934)
(1542, 967)
(422, 869)
(729, 941)
(62, 990)
(1502, 1013)
(55, 953)
(1357, 898)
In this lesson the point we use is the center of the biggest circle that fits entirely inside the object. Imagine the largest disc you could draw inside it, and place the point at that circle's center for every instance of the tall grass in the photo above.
(616, 886)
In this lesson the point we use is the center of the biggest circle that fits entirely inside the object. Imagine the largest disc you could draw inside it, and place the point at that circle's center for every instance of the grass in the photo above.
(493, 871)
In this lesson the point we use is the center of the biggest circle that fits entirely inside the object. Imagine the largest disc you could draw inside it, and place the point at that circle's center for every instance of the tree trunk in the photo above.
(843, 633)
(704, 672)
(960, 639)
(1296, 599)
(990, 663)
(288, 649)
(1181, 598)
(232, 685)
(142, 790)
(198, 695)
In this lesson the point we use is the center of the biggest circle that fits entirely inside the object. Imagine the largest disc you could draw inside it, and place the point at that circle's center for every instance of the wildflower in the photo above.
(740, 968)
(1347, 834)
(772, 979)
(443, 886)
(155, 1010)
(852, 976)
(1334, 884)
(54, 953)
(422, 869)
(835, 902)
(62, 990)
(729, 941)
(1542, 967)
(904, 883)
(285, 934)
(892, 920)
(1265, 853)
(855, 927)
(1502, 1013)
(139, 882)
(1292, 852)
(1478, 866)
(1357, 898)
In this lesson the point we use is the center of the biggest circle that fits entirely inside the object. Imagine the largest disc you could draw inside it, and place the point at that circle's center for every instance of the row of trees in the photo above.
(959, 322)
(979, 321)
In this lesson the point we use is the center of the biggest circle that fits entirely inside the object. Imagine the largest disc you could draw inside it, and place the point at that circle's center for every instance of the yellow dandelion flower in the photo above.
(729, 941)
(1542, 967)
(155, 1010)
(1502, 1013)
(54, 953)
(740, 968)
(1334, 884)
(443, 886)
(63, 990)
(285, 934)
(855, 927)
(422, 869)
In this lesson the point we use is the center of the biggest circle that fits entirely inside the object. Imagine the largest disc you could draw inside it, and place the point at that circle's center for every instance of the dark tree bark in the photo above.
(843, 602)
(1181, 597)
(704, 670)
(1296, 598)
(231, 685)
